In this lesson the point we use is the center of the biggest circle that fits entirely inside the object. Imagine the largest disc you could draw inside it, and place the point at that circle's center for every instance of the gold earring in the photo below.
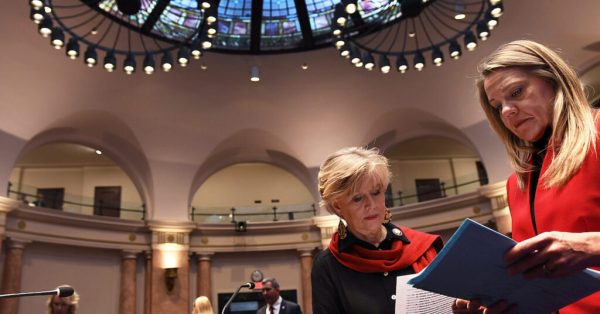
(342, 232)
(388, 216)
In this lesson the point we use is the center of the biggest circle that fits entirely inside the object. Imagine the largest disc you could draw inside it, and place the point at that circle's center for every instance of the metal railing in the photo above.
(102, 210)
(255, 213)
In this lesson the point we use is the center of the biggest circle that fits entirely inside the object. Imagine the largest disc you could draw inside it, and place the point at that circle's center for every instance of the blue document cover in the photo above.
(471, 266)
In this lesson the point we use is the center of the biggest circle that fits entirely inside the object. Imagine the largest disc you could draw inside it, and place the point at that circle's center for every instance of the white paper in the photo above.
(410, 300)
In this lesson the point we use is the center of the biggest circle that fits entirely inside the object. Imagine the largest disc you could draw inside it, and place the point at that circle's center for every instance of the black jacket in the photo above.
(287, 307)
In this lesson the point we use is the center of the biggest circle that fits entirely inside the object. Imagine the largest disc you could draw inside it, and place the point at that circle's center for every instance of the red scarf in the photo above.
(418, 253)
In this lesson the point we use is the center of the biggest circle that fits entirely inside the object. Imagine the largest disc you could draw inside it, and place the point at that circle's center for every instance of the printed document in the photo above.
(411, 300)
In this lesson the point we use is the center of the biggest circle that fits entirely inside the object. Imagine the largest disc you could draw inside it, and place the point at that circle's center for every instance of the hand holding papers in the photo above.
(471, 266)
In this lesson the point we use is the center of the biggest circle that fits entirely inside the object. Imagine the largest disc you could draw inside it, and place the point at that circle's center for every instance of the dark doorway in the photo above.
(389, 197)
(481, 173)
(107, 201)
(50, 198)
(428, 189)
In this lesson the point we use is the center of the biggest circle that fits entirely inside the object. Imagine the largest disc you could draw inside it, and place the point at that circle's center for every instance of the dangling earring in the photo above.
(342, 232)
(388, 216)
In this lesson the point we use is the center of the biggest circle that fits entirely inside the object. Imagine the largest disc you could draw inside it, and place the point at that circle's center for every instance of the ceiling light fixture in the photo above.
(254, 73)
(127, 30)
(411, 29)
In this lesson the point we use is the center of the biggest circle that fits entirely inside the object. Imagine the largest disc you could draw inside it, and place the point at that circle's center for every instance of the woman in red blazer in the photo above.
(536, 104)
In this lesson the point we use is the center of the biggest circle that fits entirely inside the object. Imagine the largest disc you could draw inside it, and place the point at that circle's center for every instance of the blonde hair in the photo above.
(71, 301)
(202, 306)
(573, 125)
(344, 171)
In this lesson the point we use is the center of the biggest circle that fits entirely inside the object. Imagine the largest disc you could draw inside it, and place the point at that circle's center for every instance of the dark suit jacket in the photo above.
(287, 307)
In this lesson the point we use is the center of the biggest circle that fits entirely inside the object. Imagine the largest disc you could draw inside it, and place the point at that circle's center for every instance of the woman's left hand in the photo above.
(554, 254)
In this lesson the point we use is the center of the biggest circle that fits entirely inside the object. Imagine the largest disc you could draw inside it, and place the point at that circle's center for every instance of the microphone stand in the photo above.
(249, 285)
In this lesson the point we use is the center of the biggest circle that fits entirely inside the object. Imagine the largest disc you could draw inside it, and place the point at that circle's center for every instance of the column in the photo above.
(11, 276)
(306, 261)
(148, 283)
(128, 283)
(204, 270)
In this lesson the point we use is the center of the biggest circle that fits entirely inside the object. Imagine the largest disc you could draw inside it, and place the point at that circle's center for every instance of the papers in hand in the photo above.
(471, 266)
(411, 300)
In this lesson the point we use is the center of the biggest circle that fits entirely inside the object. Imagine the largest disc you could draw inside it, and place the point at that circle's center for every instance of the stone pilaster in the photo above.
(11, 276)
(148, 283)
(306, 262)
(204, 271)
(127, 295)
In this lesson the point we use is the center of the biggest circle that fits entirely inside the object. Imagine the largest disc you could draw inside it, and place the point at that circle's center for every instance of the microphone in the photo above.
(62, 291)
(249, 285)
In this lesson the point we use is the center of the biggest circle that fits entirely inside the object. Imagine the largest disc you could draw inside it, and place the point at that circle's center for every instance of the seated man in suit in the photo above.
(276, 304)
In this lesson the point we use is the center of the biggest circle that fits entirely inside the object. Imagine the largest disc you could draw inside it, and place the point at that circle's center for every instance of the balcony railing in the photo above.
(70, 204)
(253, 213)
(256, 212)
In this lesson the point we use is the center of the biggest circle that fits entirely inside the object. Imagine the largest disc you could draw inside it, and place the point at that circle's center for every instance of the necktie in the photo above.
(271, 309)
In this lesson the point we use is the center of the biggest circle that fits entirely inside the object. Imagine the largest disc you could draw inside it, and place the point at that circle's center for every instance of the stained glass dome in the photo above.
(243, 26)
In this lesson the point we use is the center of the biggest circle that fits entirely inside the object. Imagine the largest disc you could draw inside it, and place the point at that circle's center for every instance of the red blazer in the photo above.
(574, 207)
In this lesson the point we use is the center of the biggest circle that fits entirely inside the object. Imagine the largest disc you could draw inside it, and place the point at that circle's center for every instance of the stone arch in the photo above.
(253, 145)
(108, 133)
(402, 124)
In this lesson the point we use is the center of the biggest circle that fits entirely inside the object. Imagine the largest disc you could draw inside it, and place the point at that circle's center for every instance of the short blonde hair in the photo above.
(202, 306)
(345, 170)
(573, 125)
(71, 301)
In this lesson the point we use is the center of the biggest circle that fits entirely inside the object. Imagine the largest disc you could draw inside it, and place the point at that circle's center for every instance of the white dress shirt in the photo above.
(276, 306)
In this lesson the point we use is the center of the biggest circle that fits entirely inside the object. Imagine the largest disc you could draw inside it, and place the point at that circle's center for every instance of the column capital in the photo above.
(14, 243)
(8, 204)
(305, 252)
(494, 189)
(129, 254)
(205, 256)
(328, 226)
(496, 193)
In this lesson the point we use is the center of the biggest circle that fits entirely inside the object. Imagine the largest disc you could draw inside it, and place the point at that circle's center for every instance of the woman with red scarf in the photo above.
(357, 272)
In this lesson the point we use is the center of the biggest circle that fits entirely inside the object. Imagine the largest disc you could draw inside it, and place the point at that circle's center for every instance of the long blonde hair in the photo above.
(343, 172)
(202, 306)
(573, 125)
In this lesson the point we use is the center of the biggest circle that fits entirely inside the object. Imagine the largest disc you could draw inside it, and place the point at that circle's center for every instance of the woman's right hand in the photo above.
(461, 306)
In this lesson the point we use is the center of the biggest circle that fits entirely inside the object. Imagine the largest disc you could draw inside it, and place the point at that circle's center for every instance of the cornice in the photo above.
(438, 205)
(8, 204)
(170, 226)
(56, 217)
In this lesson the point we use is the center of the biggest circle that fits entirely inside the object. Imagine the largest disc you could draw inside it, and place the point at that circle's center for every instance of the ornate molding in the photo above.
(8, 204)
